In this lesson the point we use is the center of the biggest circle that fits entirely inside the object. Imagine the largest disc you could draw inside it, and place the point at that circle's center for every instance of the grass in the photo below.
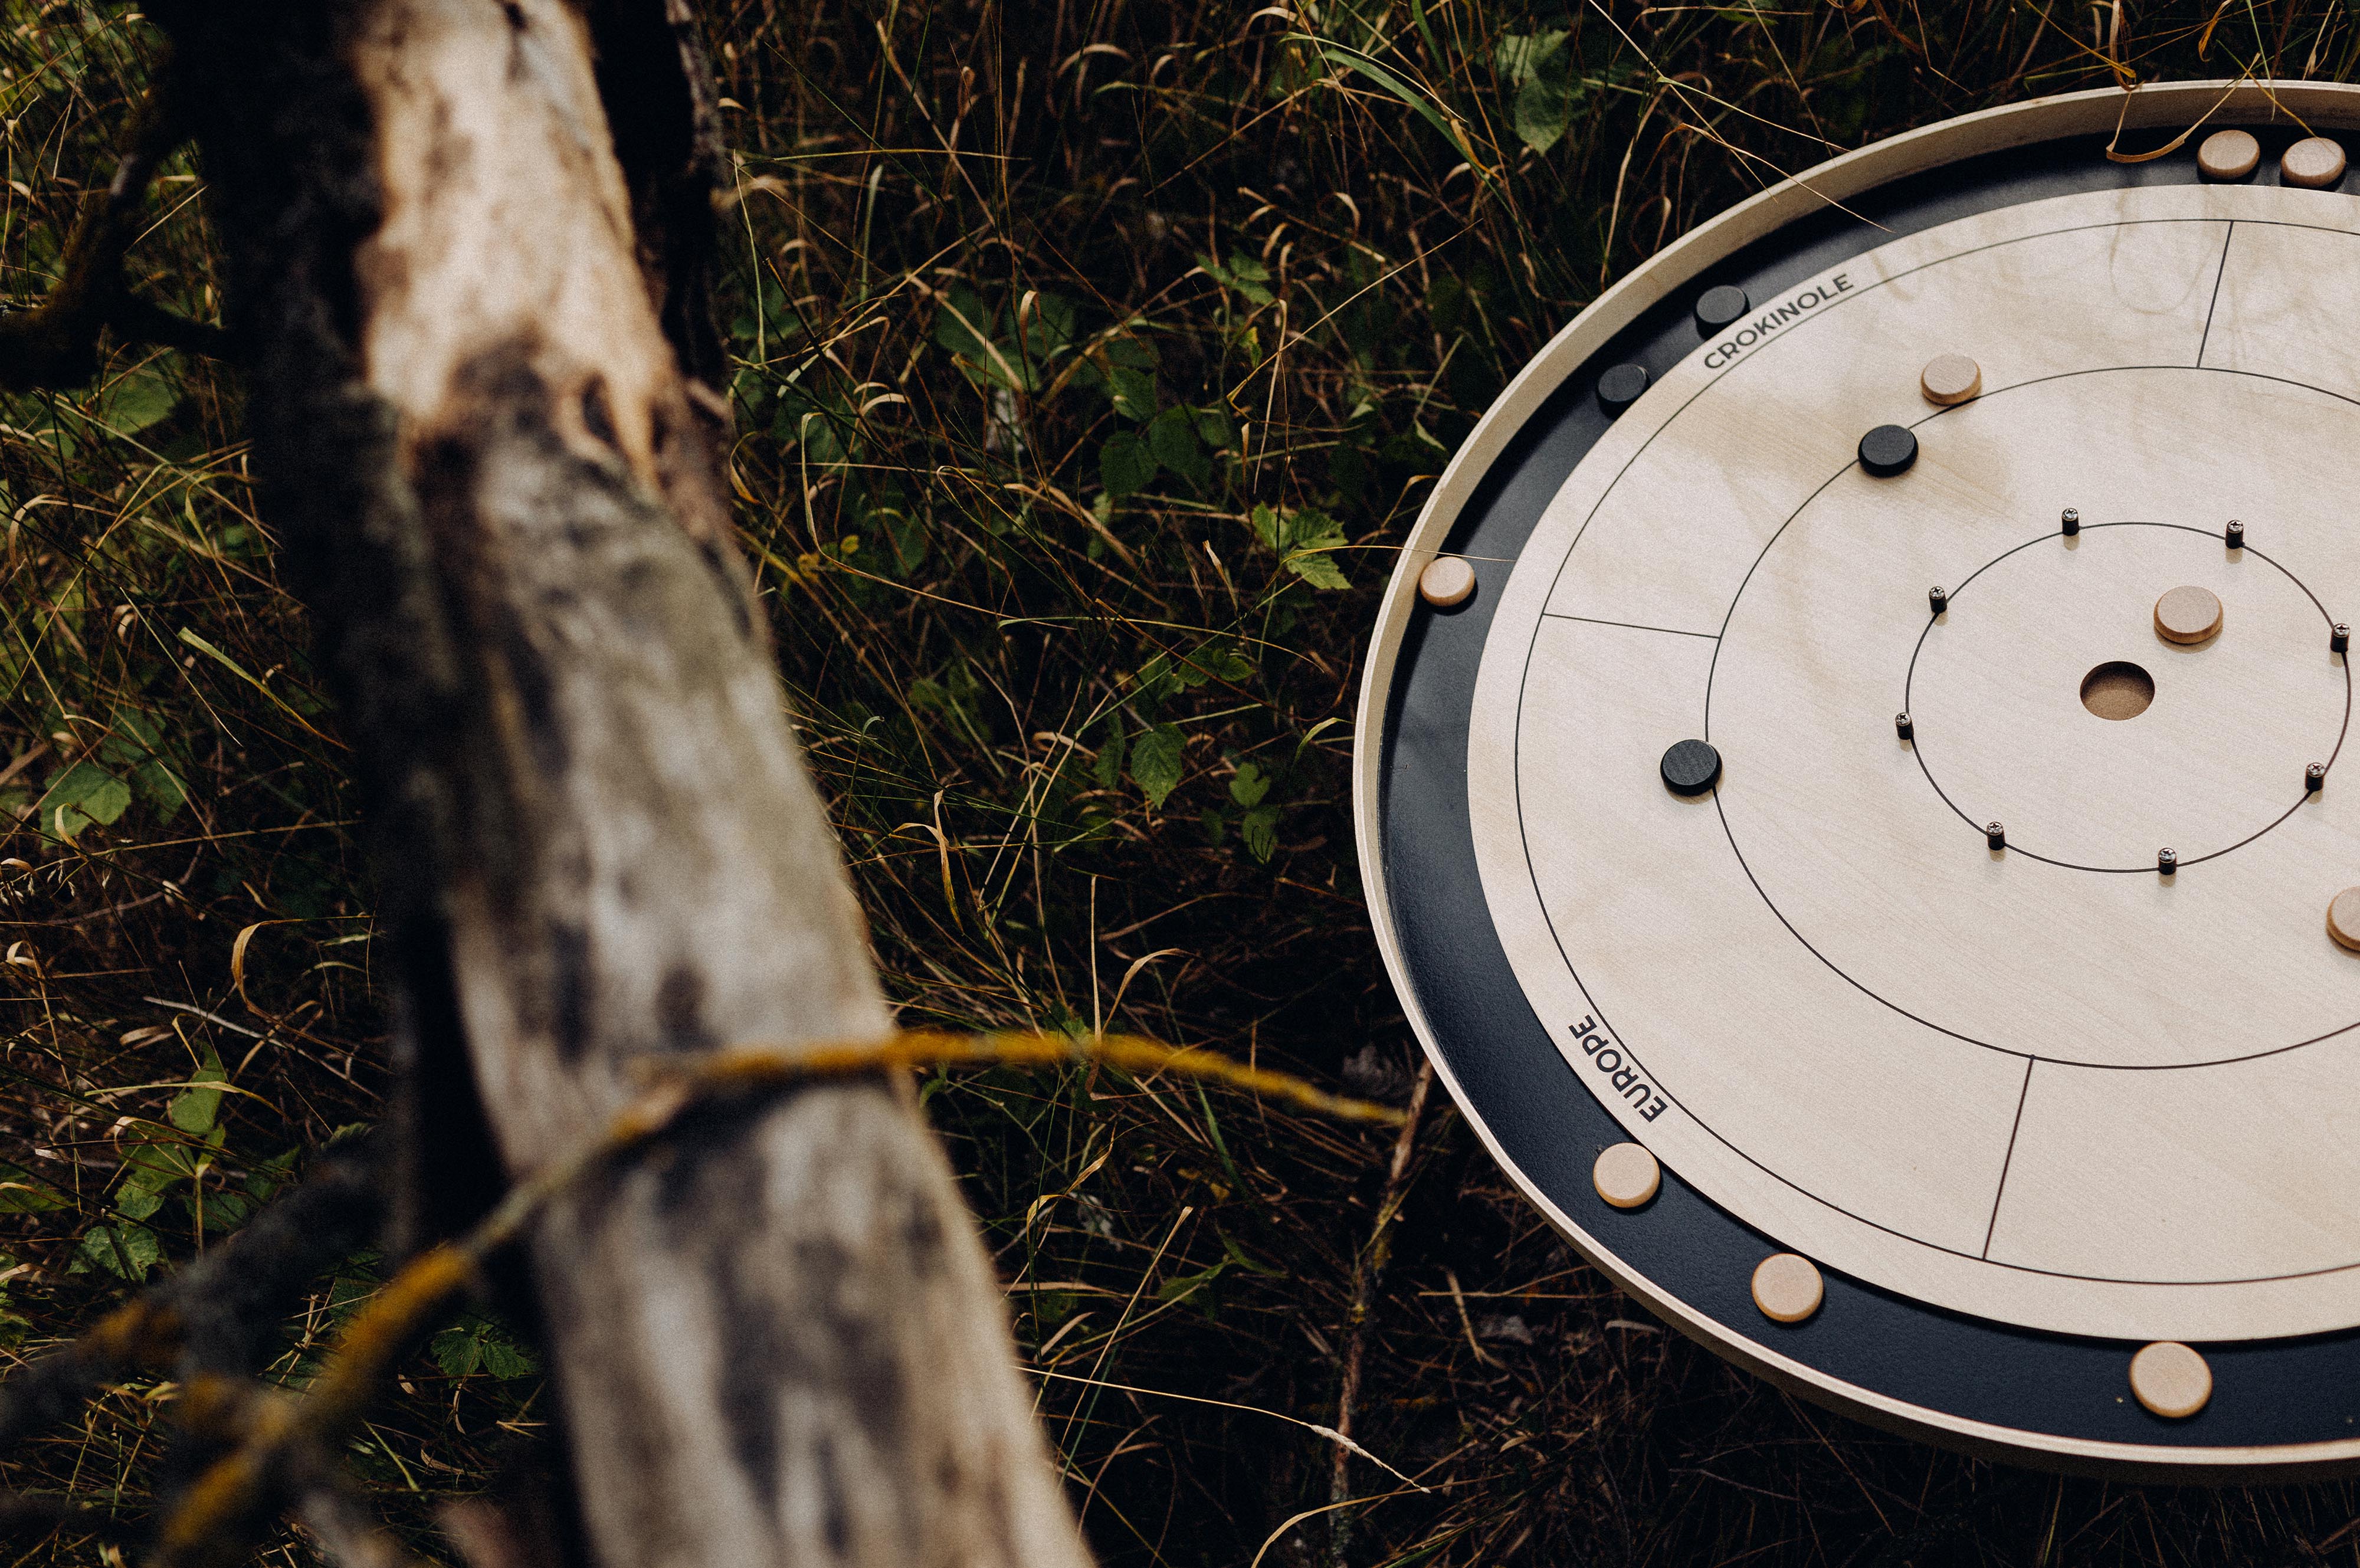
(1093, 359)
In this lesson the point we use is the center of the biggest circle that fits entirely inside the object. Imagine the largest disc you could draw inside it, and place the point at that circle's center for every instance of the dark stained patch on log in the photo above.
(680, 1010)
(751, 1336)
(570, 984)
(598, 414)
(836, 1513)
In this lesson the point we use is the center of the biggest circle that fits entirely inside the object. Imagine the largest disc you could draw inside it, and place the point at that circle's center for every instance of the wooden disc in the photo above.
(2228, 155)
(1447, 581)
(1626, 1175)
(2171, 1380)
(2314, 162)
(2344, 918)
(2188, 616)
(1787, 1286)
(1950, 378)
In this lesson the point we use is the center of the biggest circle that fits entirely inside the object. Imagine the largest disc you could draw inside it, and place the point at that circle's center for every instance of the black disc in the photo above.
(1619, 387)
(1716, 308)
(1690, 767)
(1888, 450)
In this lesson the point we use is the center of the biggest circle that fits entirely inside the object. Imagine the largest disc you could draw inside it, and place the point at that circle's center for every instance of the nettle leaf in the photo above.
(124, 1251)
(1304, 542)
(1155, 762)
(137, 1202)
(1269, 527)
(1216, 661)
(1172, 437)
(1156, 680)
(1244, 273)
(456, 1352)
(476, 1344)
(1126, 464)
(1250, 784)
(1107, 768)
(1132, 392)
(1260, 830)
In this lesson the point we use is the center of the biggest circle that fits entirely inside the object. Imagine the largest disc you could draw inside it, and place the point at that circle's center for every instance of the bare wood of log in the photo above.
(784, 1344)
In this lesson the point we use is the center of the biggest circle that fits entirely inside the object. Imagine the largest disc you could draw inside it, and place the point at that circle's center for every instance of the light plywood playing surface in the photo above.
(2043, 1084)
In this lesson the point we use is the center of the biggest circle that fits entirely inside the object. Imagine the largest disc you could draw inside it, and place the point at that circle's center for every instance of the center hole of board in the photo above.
(2117, 690)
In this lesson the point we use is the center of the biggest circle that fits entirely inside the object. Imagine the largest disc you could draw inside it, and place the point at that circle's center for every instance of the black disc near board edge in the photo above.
(1986, 1382)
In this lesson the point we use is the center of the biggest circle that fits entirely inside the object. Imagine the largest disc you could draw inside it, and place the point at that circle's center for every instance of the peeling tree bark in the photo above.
(468, 275)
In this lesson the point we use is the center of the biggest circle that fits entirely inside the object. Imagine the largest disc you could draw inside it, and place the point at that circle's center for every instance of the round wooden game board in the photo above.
(1992, 972)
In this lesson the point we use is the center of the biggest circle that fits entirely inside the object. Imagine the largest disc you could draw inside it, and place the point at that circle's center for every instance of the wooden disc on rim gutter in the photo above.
(2228, 155)
(2314, 163)
(1447, 581)
(1626, 1175)
(2188, 614)
(2171, 1380)
(1788, 1287)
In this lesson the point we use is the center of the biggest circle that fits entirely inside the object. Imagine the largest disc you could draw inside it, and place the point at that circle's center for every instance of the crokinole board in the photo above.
(1916, 1001)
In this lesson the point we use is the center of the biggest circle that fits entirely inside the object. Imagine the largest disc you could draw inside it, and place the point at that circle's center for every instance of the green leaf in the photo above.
(1260, 830)
(963, 325)
(1306, 539)
(1213, 428)
(1125, 464)
(1523, 57)
(137, 1203)
(1180, 1287)
(503, 1358)
(1155, 762)
(1050, 326)
(1172, 437)
(154, 1165)
(1133, 391)
(1250, 784)
(1540, 68)
(1107, 765)
(1134, 354)
(125, 1251)
(1244, 274)
(132, 402)
(82, 794)
(23, 1193)
(475, 1343)
(960, 322)
(1218, 661)
(1269, 526)
(193, 1110)
(457, 1352)
(157, 784)
(1545, 111)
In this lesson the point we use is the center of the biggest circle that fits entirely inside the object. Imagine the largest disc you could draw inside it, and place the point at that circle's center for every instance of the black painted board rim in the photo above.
(2281, 1408)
